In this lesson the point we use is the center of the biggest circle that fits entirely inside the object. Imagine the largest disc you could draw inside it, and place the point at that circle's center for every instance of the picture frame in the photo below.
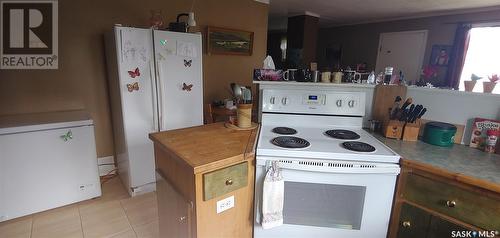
(440, 55)
(225, 41)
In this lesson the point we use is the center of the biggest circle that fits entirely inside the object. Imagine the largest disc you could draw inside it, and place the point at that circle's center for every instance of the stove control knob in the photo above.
(272, 100)
(284, 101)
(339, 103)
(351, 103)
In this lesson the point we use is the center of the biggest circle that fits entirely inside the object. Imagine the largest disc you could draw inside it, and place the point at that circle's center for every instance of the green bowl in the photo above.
(439, 133)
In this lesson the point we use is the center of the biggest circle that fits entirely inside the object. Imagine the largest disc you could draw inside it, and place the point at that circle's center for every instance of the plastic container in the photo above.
(439, 133)
(244, 112)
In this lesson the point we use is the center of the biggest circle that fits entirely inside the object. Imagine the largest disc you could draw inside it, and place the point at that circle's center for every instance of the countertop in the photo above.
(208, 146)
(466, 164)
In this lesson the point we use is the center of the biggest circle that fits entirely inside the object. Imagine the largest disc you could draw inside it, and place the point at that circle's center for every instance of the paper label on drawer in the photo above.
(225, 204)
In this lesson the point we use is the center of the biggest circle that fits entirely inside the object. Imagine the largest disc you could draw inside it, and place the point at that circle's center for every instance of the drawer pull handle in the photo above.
(229, 182)
(406, 224)
(451, 203)
(183, 218)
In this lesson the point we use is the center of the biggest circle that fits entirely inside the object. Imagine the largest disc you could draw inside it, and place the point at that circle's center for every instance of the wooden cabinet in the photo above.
(453, 201)
(439, 228)
(417, 223)
(413, 222)
(432, 203)
(175, 212)
(197, 168)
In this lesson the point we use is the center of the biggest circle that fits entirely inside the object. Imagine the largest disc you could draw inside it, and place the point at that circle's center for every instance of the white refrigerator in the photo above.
(155, 84)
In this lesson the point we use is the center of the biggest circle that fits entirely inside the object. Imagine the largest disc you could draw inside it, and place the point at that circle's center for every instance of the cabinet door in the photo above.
(413, 222)
(174, 211)
(440, 228)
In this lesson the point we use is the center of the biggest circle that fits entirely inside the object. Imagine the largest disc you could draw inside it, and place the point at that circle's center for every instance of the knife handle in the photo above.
(407, 102)
(421, 113)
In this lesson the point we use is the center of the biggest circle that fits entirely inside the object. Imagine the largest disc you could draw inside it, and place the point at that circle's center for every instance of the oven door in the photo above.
(330, 199)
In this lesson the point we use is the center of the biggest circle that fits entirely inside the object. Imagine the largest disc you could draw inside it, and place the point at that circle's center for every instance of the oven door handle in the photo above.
(339, 168)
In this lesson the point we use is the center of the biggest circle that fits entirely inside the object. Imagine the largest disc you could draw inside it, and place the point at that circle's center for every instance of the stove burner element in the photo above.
(290, 142)
(284, 130)
(343, 134)
(358, 146)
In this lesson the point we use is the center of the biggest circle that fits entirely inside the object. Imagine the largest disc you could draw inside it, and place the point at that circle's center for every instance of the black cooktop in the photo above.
(343, 134)
(358, 146)
(290, 142)
(284, 130)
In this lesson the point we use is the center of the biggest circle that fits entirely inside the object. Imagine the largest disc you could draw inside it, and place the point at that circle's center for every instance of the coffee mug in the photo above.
(315, 76)
(337, 77)
(290, 75)
(325, 77)
(356, 77)
(303, 75)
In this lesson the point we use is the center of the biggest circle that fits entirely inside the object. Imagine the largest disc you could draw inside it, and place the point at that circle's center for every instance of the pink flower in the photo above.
(429, 72)
(493, 78)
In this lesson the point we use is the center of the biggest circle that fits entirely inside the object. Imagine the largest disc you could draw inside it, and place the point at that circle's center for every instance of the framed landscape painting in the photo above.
(224, 41)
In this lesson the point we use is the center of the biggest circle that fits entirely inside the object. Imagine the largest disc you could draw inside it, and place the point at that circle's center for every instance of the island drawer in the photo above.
(225, 180)
(448, 199)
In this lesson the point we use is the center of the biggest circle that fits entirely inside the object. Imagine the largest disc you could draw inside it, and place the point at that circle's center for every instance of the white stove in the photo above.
(312, 128)
(334, 187)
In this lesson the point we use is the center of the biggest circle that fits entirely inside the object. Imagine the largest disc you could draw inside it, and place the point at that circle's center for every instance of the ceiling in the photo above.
(343, 12)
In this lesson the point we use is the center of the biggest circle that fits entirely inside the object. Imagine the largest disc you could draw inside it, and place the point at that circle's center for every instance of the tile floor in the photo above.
(114, 214)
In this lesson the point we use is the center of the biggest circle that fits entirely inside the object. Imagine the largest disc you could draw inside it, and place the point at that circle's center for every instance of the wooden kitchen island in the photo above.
(201, 172)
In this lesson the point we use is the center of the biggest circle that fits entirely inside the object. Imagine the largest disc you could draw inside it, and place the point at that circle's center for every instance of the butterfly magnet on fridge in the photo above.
(133, 87)
(135, 73)
(187, 63)
(186, 87)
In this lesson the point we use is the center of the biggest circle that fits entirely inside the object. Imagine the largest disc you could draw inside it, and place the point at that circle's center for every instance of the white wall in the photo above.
(456, 107)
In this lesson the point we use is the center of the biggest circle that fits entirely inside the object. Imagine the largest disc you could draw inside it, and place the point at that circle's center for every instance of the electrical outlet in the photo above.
(225, 204)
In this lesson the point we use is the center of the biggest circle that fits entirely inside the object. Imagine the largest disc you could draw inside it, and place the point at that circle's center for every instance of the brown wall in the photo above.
(80, 82)
(360, 42)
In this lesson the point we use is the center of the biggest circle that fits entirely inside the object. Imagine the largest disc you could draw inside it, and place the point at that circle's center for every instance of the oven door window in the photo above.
(324, 205)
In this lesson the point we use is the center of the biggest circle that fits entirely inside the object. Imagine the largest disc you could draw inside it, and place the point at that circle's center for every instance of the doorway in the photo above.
(402, 50)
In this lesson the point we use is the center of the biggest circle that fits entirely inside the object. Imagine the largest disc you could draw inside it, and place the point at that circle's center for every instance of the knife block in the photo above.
(411, 131)
(402, 130)
(393, 129)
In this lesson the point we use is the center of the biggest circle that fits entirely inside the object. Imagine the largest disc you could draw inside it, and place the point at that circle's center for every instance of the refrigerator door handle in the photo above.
(121, 46)
(153, 97)
(160, 96)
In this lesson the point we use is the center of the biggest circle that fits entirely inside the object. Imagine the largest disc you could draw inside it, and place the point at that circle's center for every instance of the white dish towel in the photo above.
(272, 197)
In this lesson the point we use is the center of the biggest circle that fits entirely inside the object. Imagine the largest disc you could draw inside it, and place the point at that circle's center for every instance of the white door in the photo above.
(404, 51)
(40, 170)
(138, 103)
(179, 74)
